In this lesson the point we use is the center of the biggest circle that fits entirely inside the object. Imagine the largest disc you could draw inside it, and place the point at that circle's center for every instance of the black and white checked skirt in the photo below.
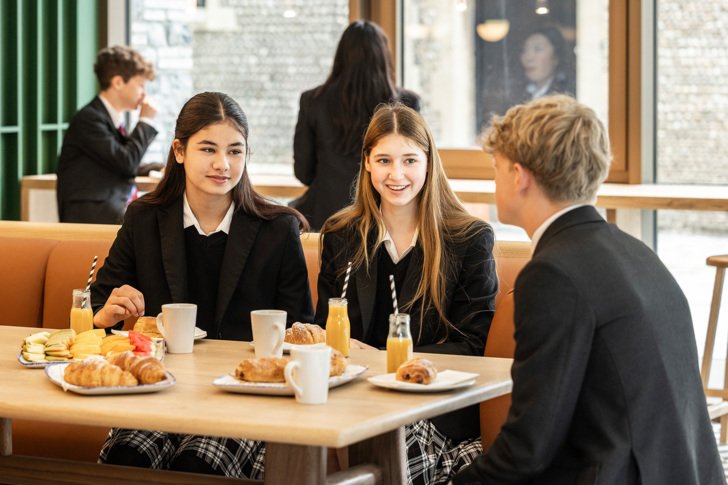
(432, 458)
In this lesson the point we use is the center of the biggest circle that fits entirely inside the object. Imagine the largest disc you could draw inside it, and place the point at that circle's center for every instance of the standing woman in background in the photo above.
(406, 222)
(333, 117)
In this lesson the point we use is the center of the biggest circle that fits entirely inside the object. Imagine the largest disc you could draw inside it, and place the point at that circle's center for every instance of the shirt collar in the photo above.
(545, 224)
(116, 118)
(191, 220)
(392, 249)
(537, 92)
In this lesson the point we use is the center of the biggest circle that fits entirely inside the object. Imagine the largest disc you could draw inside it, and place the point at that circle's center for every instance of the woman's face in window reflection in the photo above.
(538, 59)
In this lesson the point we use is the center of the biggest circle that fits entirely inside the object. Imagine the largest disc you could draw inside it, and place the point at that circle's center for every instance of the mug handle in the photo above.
(280, 337)
(160, 325)
(288, 375)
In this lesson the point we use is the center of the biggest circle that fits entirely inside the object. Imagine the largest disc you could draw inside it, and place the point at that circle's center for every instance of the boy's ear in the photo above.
(117, 82)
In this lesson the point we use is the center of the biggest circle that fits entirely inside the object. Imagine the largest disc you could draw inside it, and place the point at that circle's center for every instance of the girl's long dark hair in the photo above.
(199, 112)
(361, 78)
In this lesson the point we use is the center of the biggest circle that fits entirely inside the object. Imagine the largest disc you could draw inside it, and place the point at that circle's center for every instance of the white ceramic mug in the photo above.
(269, 330)
(177, 324)
(308, 373)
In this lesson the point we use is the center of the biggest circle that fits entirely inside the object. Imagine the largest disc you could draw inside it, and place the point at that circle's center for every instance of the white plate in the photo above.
(55, 374)
(199, 333)
(445, 381)
(288, 346)
(36, 365)
(231, 384)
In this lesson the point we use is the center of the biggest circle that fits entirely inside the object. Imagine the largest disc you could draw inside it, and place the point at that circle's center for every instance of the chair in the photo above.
(510, 258)
(716, 409)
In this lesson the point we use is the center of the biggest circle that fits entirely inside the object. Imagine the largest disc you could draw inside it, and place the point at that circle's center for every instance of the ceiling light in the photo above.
(493, 30)
(542, 7)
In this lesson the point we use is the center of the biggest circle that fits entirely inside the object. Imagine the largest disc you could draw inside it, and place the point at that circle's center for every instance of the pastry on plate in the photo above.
(305, 334)
(417, 371)
(262, 369)
(147, 326)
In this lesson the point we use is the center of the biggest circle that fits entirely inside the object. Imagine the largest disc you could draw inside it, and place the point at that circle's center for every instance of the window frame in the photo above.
(624, 90)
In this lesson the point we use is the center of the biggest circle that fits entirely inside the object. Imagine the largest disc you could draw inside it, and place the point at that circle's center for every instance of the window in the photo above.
(263, 54)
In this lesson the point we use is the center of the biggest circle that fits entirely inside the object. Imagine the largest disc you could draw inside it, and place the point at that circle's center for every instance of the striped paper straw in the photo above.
(90, 277)
(394, 294)
(346, 280)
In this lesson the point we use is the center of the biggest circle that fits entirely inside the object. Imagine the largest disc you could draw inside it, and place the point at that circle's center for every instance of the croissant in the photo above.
(263, 369)
(305, 333)
(96, 373)
(147, 370)
(147, 326)
(338, 363)
(417, 371)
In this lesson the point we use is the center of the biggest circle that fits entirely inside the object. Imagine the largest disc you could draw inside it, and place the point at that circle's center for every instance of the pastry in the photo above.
(147, 326)
(338, 363)
(147, 370)
(305, 333)
(263, 369)
(417, 371)
(96, 372)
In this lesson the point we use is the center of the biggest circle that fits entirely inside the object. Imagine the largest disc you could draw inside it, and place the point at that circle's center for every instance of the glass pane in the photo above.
(691, 105)
(263, 54)
(470, 59)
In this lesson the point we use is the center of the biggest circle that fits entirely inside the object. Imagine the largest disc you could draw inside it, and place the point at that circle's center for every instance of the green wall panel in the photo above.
(47, 52)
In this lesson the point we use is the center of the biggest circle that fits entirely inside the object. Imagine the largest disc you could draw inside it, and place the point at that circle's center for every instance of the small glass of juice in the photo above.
(82, 317)
(399, 341)
(338, 328)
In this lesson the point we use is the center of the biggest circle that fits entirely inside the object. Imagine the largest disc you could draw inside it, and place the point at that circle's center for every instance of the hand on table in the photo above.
(124, 302)
(356, 344)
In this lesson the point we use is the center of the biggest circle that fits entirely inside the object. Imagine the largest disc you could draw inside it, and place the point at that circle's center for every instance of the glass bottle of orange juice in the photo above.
(338, 328)
(399, 341)
(82, 317)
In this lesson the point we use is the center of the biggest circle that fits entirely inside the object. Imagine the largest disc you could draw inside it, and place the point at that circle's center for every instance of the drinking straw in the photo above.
(90, 277)
(346, 280)
(394, 295)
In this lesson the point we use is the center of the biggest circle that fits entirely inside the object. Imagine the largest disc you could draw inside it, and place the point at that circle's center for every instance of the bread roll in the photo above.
(417, 371)
(338, 363)
(263, 369)
(147, 326)
(305, 333)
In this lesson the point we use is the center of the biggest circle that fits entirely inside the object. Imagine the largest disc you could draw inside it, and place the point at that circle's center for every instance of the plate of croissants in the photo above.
(264, 375)
(420, 375)
(119, 373)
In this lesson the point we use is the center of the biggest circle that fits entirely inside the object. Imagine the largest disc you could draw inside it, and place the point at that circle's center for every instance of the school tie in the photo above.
(122, 130)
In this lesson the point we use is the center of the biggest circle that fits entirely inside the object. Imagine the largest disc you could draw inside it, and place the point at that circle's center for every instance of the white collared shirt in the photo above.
(537, 92)
(116, 118)
(190, 219)
(392, 248)
(545, 224)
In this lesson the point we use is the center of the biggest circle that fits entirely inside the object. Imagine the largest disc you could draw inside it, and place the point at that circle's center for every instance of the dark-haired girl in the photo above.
(333, 117)
(203, 236)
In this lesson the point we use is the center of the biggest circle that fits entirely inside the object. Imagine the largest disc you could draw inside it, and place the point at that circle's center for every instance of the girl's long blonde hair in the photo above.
(442, 218)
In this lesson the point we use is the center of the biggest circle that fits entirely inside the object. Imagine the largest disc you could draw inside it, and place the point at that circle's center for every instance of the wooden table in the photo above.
(366, 418)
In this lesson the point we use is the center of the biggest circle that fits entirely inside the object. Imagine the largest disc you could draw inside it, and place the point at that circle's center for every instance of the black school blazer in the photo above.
(263, 267)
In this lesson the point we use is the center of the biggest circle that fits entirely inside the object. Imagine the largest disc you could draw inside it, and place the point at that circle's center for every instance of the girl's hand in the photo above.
(355, 344)
(124, 302)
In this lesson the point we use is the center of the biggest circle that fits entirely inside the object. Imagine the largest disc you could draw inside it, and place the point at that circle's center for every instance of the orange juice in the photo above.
(82, 319)
(399, 351)
(338, 328)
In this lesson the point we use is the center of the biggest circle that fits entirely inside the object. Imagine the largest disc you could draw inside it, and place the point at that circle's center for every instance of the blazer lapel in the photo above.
(171, 235)
(101, 107)
(243, 231)
(411, 278)
(366, 288)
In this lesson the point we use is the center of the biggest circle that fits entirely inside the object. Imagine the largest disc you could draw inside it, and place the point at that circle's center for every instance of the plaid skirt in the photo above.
(432, 458)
